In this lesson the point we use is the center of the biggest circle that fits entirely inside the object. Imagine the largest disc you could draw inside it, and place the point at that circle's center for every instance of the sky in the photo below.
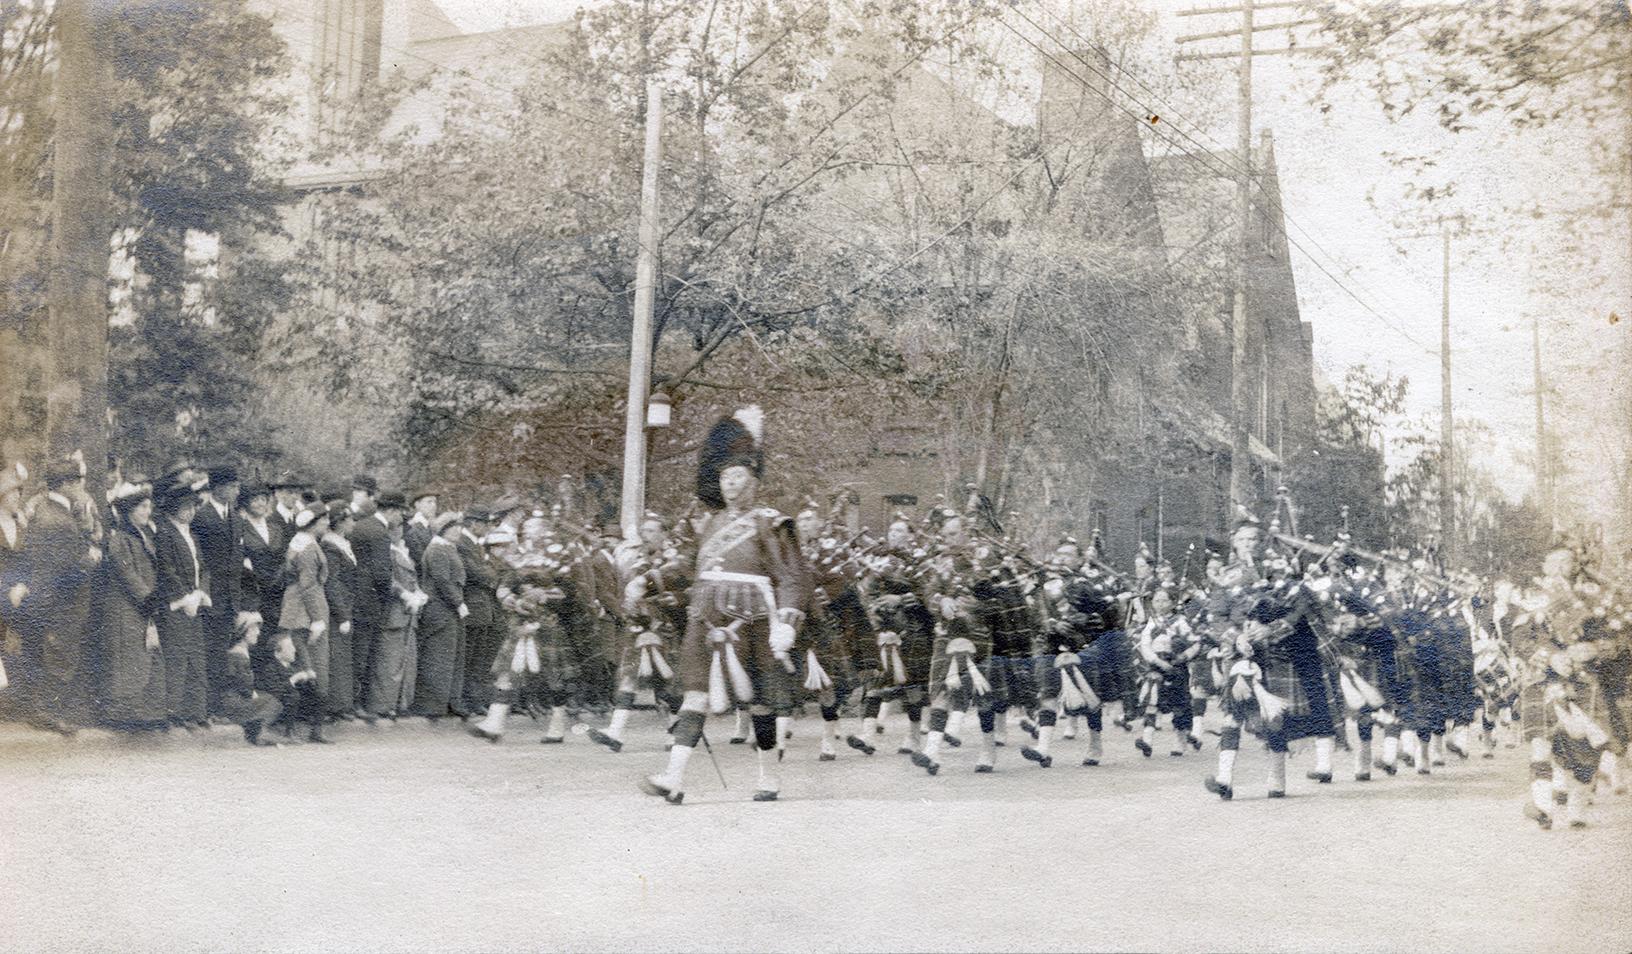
(1341, 194)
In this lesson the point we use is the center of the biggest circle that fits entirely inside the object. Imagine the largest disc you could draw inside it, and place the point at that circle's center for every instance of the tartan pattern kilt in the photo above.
(557, 668)
(1292, 671)
(916, 628)
(960, 628)
(1109, 665)
(628, 673)
(1537, 720)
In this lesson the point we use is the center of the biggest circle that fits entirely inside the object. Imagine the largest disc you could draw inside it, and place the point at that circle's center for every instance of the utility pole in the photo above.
(1241, 483)
(81, 230)
(1447, 442)
(1544, 478)
(640, 335)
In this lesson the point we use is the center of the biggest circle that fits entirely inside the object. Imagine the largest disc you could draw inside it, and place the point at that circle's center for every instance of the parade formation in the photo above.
(197, 597)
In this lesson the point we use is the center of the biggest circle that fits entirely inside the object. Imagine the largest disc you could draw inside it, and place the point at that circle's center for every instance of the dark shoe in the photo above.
(856, 743)
(1387, 768)
(903, 750)
(1578, 823)
(926, 763)
(551, 740)
(596, 735)
(1090, 761)
(1028, 727)
(764, 796)
(1143, 747)
(651, 787)
(984, 769)
(1195, 743)
(878, 730)
(1324, 778)
(1488, 755)
(252, 733)
(738, 740)
(1275, 793)
(952, 740)
(827, 757)
(1409, 760)
(481, 733)
(1225, 792)
(1033, 755)
(1362, 776)
(1538, 816)
(1561, 799)
(317, 736)
(1456, 750)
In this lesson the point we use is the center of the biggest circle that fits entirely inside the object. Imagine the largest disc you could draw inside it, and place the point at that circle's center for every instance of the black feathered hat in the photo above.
(734, 441)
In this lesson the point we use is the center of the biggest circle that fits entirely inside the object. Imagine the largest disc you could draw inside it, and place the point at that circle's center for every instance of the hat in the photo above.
(308, 515)
(252, 489)
(220, 474)
(288, 480)
(421, 494)
(172, 497)
(60, 472)
(392, 500)
(734, 441)
(478, 515)
(441, 521)
(335, 492)
(338, 511)
(13, 477)
(366, 483)
(128, 493)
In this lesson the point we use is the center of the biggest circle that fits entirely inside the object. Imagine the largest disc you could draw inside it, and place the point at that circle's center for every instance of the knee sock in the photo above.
(1391, 749)
(1226, 766)
(938, 719)
(766, 736)
(741, 730)
(1323, 754)
(783, 726)
(1277, 771)
(1362, 756)
(830, 728)
(1045, 730)
(954, 722)
(497, 713)
(620, 719)
(915, 713)
(558, 723)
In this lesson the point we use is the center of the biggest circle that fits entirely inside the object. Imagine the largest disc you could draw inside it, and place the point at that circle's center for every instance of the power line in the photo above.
(1211, 158)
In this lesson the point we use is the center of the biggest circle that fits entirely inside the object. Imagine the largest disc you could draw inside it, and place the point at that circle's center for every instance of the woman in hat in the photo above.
(441, 648)
(304, 616)
(133, 693)
(341, 591)
(395, 658)
(750, 584)
(183, 593)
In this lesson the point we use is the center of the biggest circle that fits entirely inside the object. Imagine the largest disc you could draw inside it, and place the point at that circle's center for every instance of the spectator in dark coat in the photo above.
(57, 565)
(441, 647)
(370, 539)
(418, 532)
(341, 590)
(215, 527)
(240, 700)
(482, 634)
(304, 616)
(132, 688)
(183, 592)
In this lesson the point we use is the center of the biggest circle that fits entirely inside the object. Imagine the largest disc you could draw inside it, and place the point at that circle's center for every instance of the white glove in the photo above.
(17, 594)
(463, 611)
(345, 628)
(318, 629)
(781, 638)
(152, 640)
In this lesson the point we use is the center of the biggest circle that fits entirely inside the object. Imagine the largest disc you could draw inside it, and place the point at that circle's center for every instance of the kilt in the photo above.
(1013, 680)
(1108, 662)
(771, 684)
(905, 616)
(1293, 671)
(1165, 692)
(961, 628)
(1537, 720)
(630, 657)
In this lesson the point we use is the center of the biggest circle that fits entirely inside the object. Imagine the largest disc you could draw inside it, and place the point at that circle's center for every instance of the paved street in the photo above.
(420, 838)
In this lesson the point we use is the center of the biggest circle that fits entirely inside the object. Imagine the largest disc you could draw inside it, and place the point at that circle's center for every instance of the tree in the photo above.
(195, 199)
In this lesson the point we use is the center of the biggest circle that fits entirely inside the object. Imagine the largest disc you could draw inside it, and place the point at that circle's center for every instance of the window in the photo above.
(347, 56)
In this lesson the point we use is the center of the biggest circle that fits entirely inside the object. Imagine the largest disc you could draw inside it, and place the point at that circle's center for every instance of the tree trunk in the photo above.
(77, 399)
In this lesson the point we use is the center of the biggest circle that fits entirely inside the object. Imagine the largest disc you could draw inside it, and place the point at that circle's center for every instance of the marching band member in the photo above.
(744, 611)
(652, 616)
(905, 633)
